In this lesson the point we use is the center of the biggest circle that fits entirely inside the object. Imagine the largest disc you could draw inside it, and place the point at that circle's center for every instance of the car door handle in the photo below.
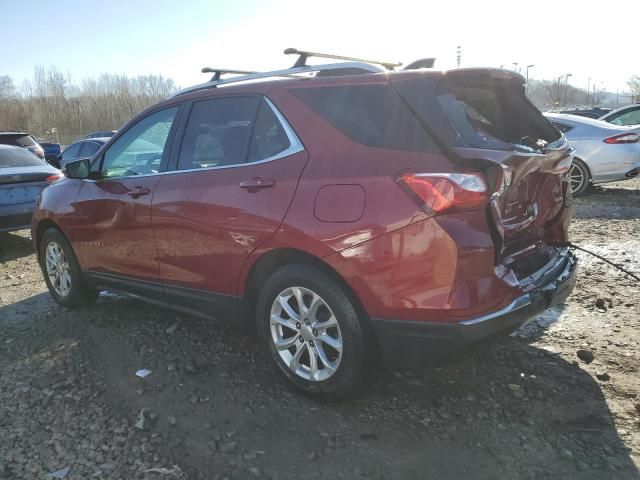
(256, 183)
(138, 192)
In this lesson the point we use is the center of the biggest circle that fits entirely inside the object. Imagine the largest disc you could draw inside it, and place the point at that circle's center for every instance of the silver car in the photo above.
(604, 152)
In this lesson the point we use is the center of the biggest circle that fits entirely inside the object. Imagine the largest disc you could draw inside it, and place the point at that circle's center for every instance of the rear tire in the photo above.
(62, 272)
(579, 177)
(319, 347)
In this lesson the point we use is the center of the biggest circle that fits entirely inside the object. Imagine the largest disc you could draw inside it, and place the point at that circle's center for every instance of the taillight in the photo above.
(623, 138)
(437, 193)
(39, 152)
(53, 178)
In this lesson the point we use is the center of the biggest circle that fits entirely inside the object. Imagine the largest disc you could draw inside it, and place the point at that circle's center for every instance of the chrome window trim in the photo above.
(295, 146)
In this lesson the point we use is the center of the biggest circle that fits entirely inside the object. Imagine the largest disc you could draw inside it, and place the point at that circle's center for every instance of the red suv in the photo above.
(350, 214)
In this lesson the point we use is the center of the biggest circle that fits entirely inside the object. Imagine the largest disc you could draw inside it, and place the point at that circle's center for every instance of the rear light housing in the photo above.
(438, 193)
(623, 138)
(39, 152)
(54, 178)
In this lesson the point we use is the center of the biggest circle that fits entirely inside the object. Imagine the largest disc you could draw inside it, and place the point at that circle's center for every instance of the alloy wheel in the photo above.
(306, 334)
(58, 269)
(577, 178)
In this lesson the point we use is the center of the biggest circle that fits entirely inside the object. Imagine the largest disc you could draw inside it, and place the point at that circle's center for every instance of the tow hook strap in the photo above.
(573, 245)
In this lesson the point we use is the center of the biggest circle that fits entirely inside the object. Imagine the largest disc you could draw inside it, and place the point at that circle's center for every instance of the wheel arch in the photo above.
(44, 225)
(586, 165)
(271, 261)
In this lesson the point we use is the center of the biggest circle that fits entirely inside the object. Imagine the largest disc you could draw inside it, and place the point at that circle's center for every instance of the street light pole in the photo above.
(588, 87)
(566, 84)
(528, 67)
(459, 54)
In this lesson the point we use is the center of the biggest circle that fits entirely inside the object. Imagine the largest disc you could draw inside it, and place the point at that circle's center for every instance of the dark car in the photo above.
(51, 150)
(624, 116)
(103, 134)
(354, 214)
(22, 178)
(79, 149)
(22, 139)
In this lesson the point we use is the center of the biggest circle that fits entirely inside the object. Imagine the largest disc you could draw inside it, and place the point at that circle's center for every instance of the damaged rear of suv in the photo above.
(483, 122)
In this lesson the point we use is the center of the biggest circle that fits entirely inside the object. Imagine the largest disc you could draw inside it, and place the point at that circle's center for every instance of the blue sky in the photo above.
(176, 38)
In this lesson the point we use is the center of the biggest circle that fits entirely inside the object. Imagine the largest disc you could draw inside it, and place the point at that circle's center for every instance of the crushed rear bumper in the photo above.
(411, 343)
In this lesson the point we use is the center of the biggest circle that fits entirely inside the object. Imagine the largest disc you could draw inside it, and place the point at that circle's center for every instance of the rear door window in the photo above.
(269, 138)
(71, 152)
(89, 149)
(373, 115)
(627, 118)
(218, 133)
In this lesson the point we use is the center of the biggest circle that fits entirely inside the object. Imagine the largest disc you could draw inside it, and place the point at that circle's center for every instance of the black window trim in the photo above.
(295, 144)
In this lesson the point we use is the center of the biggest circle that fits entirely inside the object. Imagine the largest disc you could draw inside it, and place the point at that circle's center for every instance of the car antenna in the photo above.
(304, 55)
(218, 72)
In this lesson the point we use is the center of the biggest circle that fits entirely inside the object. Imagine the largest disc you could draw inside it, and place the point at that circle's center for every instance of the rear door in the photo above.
(238, 166)
(112, 227)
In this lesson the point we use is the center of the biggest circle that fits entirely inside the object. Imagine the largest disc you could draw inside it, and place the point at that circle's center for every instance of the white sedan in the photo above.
(603, 152)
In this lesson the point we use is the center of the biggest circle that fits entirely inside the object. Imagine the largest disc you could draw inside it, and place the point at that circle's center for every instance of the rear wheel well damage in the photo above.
(273, 260)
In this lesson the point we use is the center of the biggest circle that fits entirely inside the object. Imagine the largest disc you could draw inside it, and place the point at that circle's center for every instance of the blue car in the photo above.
(51, 150)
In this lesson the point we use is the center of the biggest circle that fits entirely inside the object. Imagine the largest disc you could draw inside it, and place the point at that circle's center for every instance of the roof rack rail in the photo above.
(304, 55)
(218, 72)
(290, 72)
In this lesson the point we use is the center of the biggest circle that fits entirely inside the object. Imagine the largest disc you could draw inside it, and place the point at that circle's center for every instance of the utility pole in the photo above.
(459, 54)
(566, 84)
(588, 87)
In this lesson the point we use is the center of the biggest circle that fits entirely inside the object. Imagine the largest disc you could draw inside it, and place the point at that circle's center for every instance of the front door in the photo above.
(236, 174)
(112, 229)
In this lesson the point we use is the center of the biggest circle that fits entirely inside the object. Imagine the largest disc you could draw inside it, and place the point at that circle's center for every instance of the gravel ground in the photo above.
(558, 399)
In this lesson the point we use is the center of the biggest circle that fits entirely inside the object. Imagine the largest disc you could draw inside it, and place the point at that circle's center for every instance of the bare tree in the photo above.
(634, 86)
(53, 107)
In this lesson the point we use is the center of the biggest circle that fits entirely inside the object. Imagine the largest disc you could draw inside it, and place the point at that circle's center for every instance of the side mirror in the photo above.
(77, 168)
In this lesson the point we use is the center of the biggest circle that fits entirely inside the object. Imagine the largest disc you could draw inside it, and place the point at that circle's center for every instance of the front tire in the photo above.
(312, 332)
(579, 177)
(62, 272)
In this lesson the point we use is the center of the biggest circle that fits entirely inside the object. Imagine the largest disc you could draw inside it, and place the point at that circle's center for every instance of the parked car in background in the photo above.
(22, 178)
(340, 222)
(105, 134)
(589, 112)
(604, 152)
(629, 115)
(24, 140)
(51, 150)
(79, 149)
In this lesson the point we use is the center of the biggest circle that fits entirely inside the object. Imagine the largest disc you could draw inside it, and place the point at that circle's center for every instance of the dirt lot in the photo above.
(526, 407)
